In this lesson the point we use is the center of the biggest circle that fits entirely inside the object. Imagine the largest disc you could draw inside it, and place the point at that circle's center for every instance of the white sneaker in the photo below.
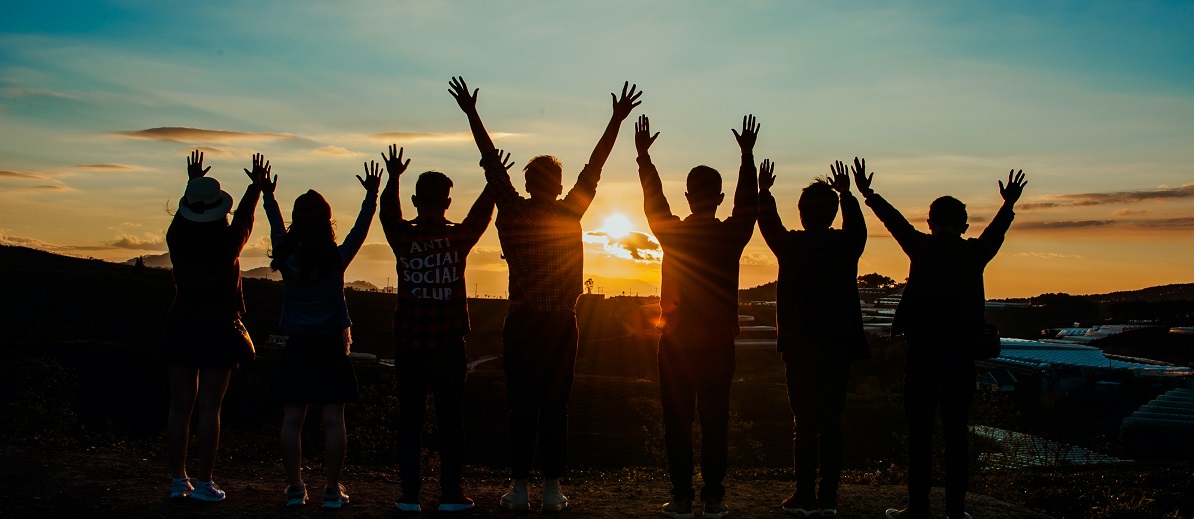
(180, 488)
(515, 500)
(207, 491)
(681, 509)
(554, 501)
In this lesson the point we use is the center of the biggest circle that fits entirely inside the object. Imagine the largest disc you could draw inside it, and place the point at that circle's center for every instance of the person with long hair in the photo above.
(315, 368)
(204, 337)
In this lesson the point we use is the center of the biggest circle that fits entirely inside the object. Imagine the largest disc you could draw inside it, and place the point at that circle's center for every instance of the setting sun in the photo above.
(616, 226)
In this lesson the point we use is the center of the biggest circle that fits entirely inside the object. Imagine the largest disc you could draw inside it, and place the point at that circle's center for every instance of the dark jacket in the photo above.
(699, 296)
(944, 300)
(817, 310)
(205, 259)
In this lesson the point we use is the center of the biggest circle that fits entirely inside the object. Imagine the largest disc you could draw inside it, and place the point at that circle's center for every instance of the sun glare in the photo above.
(616, 226)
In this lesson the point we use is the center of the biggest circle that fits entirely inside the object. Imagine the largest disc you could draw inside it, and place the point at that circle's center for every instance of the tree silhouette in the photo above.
(589, 286)
(875, 280)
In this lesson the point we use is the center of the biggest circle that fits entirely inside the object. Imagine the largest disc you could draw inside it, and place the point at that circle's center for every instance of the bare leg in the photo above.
(293, 416)
(183, 383)
(213, 382)
(336, 439)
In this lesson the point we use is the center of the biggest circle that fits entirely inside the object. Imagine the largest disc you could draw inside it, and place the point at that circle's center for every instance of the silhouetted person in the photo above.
(940, 313)
(699, 302)
(541, 240)
(204, 336)
(820, 326)
(315, 368)
(430, 322)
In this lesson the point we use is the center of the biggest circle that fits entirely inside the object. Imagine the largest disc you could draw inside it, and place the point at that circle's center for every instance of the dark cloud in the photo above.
(636, 243)
(1117, 197)
(1180, 223)
(133, 242)
(1063, 224)
(186, 134)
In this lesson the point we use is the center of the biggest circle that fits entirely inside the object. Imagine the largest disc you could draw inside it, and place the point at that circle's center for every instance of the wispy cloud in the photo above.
(1063, 224)
(1047, 255)
(1116, 197)
(335, 151)
(405, 137)
(18, 174)
(187, 134)
(107, 167)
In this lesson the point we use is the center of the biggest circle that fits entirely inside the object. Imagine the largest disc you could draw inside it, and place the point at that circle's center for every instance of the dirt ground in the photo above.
(48, 482)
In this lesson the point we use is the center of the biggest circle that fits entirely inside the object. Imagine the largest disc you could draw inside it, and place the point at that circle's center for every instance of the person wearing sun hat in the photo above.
(204, 337)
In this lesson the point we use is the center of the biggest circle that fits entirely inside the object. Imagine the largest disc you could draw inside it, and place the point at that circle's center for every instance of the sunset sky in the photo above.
(101, 101)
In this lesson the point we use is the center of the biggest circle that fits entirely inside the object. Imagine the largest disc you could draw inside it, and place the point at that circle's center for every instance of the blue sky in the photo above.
(1094, 100)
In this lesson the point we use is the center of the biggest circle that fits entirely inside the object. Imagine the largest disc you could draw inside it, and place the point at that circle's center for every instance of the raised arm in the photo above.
(360, 229)
(479, 216)
(497, 178)
(391, 199)
(242, 220)
(769, 222)
(659, 213)
(853, 223)
(581, 195)
(903, 232)
(997, 229)
(468, 103)
(746, 194)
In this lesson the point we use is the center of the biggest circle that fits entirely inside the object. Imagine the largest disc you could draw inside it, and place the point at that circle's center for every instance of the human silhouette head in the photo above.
(818, 205)
(310, 242)
(704, 190)
(545, 177)
(311, 207)
(947, 216)
(432, 191)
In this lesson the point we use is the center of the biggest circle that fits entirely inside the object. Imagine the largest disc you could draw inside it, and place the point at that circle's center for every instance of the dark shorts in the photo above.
(205, 344)
(315, 370)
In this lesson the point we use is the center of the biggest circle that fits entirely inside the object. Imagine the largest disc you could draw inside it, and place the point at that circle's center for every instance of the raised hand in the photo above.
(372, 178)
(839, 179)
(195, 167)
(495, 158)
(861, 179)
(750, 133)
(626, 103)
(459, 90)
(1015, 186)
(766, 175)
(394, 164)
(642, 135)
(261, 174)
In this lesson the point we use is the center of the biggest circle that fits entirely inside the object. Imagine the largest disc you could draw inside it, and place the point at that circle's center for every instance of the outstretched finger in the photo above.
(362, 181)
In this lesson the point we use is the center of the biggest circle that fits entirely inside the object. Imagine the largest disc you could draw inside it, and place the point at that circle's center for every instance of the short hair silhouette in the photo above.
(704, 188)
(818, 205)
(544, 173)
(947, 211)
(433, 185)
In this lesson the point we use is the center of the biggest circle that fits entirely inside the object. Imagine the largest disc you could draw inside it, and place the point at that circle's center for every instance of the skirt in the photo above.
(206, 344)
(315, 370)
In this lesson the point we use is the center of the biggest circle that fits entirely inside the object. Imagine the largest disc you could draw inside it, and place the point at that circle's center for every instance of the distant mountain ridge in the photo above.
(1174, 292)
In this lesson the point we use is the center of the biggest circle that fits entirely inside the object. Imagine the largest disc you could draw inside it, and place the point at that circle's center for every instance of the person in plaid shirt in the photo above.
(541, 240)
(430, 323)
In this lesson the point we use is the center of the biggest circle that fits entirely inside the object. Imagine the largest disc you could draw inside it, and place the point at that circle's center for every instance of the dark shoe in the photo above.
(716, 510)
(455, 503)
(905, 514)
(408, 503)
(335, 497)
(678, 509)
(799, 508)
(296, 496)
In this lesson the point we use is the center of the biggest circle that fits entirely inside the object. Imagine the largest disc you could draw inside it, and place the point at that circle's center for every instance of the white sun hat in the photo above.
(204, 201)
